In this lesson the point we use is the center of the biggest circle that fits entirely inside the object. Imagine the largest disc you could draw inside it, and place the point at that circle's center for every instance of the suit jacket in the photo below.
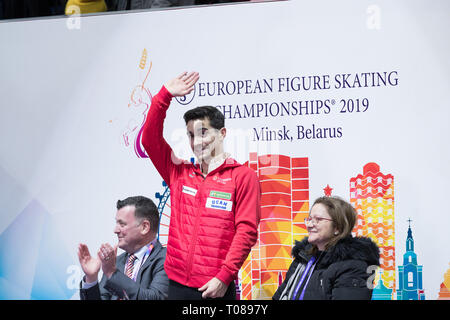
(151, 282)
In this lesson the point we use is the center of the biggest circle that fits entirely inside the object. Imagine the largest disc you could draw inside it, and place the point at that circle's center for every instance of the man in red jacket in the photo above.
(215, 205)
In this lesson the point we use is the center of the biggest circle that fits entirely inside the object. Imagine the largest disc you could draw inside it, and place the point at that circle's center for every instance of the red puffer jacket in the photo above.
(214, 219)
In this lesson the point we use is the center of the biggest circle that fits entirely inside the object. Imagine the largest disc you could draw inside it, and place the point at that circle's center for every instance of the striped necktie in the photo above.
(130, 265)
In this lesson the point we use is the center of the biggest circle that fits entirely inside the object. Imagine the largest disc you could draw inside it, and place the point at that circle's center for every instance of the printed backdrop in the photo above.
(343, 98)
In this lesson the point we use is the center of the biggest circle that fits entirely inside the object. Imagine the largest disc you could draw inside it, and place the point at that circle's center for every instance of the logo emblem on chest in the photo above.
(219, 204)
(189, 190)
(220, 194)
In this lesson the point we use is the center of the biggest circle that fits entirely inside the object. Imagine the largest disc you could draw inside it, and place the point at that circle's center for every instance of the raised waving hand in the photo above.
(183, 84)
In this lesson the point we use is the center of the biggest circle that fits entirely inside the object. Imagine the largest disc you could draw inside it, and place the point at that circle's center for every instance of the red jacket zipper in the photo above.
(194, 236)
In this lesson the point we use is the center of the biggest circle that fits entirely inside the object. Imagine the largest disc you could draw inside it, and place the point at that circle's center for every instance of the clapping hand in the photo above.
(90, 265)
(107, 255)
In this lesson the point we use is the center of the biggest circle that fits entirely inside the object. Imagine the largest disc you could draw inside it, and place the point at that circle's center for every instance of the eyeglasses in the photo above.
(315, 221)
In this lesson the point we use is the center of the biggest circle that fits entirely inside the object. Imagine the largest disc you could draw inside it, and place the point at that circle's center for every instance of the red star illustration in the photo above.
(328, 190)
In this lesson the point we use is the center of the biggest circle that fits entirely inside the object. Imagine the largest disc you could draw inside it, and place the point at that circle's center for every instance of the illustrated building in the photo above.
(444, 292)
(410, 273)
(380, 291)
(284, 205)
(372, 195)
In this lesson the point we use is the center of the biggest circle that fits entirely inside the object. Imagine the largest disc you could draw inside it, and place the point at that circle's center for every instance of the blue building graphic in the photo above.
(380, 291)
(410, 273)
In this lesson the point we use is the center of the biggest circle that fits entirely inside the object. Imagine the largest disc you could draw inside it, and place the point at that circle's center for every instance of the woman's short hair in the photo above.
(342, 213)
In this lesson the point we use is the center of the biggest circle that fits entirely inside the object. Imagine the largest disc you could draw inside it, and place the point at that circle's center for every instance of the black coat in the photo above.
(341, 272)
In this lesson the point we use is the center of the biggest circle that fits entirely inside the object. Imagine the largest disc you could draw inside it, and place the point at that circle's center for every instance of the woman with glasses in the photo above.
(330, 263)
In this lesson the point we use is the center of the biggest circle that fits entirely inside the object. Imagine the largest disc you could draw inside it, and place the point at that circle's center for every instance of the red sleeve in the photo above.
(247, 216)
(153, 140)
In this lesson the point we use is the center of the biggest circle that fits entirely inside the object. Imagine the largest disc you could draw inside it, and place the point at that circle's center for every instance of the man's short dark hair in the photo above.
(145, 209)
(216, 118)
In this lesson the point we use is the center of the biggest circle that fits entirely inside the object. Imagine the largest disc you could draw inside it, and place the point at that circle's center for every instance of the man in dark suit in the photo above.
(138, 273)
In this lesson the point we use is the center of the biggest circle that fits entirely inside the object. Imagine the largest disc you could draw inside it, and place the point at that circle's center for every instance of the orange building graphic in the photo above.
(372, 195)
(284, 205)
(444, 292)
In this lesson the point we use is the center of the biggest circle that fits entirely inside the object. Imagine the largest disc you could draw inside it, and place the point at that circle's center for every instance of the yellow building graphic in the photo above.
(372, 195)
(284, 205)
(444, 292)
